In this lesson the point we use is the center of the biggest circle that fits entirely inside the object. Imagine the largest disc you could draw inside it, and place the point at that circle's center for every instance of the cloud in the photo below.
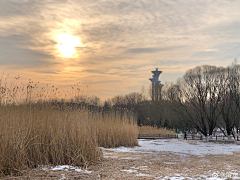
(151, 50)
(124, 39)
(15, 54)
(47, 72)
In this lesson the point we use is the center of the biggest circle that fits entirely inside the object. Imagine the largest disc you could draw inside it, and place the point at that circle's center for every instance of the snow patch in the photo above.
(129, 171)
(174, 178)
(170, 163)
(67, 168)
(130, 158)
(114, 157)
(63, 177)
(144, 175)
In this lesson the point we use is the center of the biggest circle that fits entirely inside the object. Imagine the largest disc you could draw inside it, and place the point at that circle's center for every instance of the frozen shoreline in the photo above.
(183, 147)
(170, 154)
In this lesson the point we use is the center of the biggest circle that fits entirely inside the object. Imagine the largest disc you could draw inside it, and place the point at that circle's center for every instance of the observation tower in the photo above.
(156, 85)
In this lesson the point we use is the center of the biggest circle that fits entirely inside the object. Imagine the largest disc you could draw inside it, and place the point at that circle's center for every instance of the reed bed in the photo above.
(155, 130)
(42, 134)
(115, 132)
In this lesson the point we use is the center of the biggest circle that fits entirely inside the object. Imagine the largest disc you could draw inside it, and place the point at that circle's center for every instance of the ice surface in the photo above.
(180, 146)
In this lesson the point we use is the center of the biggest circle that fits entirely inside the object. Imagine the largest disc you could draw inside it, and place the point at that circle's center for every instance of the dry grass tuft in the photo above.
(155, 130)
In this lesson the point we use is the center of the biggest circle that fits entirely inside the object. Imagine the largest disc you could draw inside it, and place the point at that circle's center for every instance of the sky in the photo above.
(110, 47)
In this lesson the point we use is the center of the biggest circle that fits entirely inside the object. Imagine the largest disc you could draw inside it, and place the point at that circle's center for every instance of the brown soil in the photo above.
(155, 165)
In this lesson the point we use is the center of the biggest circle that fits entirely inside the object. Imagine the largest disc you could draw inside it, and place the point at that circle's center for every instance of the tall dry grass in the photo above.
(155, 130)
(41, 134)
(114, 132)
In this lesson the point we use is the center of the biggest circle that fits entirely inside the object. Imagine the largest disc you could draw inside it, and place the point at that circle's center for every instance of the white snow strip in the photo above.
(67, 168)
(144, 175)
(174, 178)
(111, 157)
(142, 168)
(186, 178)
(170, 163)
(179, 178)
(85, 171)
(130, 158)
(129, 171)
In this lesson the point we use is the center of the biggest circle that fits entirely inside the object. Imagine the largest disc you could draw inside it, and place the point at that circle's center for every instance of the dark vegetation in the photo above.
(205, 98)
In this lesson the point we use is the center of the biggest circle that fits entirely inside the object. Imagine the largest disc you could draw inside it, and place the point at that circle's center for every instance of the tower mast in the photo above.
(156, 85)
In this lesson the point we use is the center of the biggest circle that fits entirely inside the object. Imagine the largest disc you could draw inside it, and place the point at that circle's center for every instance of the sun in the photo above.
(67, 44)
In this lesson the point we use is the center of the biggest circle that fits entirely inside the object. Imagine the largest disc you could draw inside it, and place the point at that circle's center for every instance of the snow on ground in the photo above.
(184, 147)
(152, 148)
(133, 170)
(66, 168)
(188, 178)
(181, 147)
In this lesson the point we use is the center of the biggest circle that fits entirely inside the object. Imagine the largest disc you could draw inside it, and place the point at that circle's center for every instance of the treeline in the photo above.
(208, 97)
(205, 98)
(137, 105)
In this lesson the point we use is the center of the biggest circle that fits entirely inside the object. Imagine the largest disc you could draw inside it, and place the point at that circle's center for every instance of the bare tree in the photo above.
(228, 107)
(198, 95)
(234, 92)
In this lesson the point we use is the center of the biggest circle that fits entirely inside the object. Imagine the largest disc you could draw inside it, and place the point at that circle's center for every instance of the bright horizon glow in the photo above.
(67, 44)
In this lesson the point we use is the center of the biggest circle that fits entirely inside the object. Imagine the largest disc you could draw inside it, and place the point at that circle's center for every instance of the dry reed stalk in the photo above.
(155, 130)
(116, 132)
(40, 134)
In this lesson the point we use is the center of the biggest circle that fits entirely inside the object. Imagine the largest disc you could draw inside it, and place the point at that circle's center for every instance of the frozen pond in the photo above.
(181, 146)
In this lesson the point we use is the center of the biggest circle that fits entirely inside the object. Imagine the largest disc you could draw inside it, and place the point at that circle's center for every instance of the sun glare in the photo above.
(67, 44)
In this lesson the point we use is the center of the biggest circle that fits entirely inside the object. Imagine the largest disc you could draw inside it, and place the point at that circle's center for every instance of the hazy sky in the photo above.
(117, 43)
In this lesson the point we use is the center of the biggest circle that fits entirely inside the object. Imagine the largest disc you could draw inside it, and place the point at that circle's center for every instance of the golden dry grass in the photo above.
(155, 130)
(115, 132)
(41, 134)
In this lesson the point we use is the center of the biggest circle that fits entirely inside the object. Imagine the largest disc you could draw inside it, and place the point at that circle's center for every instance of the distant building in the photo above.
(156, 85)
